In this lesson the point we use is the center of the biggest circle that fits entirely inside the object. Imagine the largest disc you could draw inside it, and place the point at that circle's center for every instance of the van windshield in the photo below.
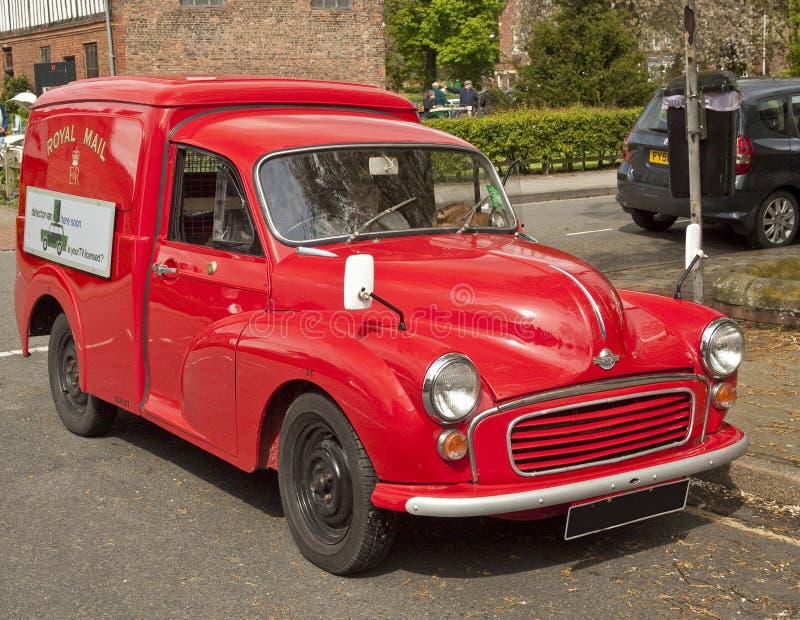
(354, 192)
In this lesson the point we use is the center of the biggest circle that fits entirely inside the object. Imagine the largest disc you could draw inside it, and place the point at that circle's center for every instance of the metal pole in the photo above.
(764, 48)
(111, 63)
(693, 104)
(7, 170)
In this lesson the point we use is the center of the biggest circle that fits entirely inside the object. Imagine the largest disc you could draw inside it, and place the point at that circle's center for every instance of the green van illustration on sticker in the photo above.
(54, 236)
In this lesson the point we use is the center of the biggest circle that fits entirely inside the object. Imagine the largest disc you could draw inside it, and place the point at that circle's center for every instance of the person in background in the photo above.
(428, 101)
(439, 98)
(467, 97)
(4, 119)
(484, 103)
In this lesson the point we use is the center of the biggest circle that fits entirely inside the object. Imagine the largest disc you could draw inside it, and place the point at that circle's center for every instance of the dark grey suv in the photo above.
(764, 207)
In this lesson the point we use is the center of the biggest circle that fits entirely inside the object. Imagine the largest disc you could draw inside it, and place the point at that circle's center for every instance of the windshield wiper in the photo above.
(492, 200)
(475, 208)
(374, 219)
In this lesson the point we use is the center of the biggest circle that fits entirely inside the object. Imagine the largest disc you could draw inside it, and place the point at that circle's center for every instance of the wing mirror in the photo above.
(359, 280)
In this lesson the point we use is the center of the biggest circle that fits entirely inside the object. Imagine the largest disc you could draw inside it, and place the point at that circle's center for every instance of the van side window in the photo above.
(208, 205)
(772, 115)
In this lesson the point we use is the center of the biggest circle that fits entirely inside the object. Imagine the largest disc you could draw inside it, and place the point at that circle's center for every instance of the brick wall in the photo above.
(63, 40)
(260, 37)
(263, 37)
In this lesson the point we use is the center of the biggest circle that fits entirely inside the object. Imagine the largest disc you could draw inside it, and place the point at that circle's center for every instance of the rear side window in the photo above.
(653, 117)
(796, 112)
(772, 115)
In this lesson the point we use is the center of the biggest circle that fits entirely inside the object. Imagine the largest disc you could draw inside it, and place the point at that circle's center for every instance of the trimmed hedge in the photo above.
(545, 137)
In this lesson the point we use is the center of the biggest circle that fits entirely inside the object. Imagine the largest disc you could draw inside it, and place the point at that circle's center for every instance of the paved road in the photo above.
(599, 231)
(139, 524)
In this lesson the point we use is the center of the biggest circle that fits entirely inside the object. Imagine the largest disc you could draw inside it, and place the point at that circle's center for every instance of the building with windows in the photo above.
(511, 43)
(53, 41)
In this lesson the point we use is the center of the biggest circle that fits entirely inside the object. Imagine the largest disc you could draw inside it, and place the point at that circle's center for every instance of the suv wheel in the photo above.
(652, 221)
(776, 221)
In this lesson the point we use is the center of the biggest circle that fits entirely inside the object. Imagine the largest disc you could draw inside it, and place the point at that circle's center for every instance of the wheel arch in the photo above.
(273, 415)
(43, 314)
(47, 295)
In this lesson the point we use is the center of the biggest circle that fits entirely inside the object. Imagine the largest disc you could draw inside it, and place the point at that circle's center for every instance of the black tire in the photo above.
(652, 221)
(82, 413)
(58, 248)
(44, 244)
(776, 221)
(326, 480)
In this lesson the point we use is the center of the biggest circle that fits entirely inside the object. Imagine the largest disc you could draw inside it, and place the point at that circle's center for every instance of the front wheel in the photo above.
(82, 413)
(776, 221)
(326, 480)
(652, 221)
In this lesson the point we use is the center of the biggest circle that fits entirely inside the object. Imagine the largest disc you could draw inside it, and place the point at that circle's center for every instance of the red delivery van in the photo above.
(299, 275)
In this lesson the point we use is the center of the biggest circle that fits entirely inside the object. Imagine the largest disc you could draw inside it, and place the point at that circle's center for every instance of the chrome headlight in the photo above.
(722, 347)
(451, 388)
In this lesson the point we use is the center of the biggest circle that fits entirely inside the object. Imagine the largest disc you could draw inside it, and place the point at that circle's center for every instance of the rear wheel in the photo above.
(776, 221)
(652, 221)
(326, 480)
(82, 413)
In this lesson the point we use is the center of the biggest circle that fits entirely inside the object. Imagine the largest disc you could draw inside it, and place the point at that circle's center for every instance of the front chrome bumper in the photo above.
(564, 494)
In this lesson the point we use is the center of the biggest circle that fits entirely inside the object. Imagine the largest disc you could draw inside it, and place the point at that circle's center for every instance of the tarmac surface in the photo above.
(768, 407)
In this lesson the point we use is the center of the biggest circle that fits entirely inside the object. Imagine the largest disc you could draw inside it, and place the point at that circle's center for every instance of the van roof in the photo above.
(245, 135)
(212, 91)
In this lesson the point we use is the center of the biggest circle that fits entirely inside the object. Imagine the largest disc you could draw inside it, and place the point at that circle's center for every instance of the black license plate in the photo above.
(604, 514)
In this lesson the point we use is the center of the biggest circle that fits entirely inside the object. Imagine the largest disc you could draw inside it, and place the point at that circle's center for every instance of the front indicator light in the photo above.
(723, 395)
(452, 445)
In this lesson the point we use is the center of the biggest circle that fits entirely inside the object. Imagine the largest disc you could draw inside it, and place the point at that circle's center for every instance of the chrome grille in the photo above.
(608, 430)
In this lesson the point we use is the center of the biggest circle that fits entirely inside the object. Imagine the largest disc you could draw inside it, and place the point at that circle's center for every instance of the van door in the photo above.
(208, 271)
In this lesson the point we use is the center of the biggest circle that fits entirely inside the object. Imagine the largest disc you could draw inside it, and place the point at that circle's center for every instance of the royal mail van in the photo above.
(299, 275)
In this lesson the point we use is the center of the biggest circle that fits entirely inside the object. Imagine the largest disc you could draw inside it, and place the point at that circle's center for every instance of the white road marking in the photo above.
(589, 232)
(732, 523)
(19, 351)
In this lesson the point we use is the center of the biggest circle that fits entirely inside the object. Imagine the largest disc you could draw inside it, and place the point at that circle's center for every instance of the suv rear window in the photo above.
(654, 117)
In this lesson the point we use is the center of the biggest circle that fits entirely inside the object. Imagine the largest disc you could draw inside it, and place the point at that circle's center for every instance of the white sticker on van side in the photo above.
(71, 230)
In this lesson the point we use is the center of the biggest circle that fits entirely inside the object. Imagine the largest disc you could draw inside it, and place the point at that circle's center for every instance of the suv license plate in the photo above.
(659, 157)
(604, 514)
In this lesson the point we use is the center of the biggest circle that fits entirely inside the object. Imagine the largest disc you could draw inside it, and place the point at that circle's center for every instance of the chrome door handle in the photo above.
(161, 270)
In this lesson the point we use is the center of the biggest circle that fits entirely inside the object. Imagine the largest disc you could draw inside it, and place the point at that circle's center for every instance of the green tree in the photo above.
(794, 37)
(13, 85)
(454, 38)
(587, 54)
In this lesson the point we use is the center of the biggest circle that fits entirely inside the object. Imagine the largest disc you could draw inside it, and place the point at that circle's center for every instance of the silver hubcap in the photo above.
(778, 220)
